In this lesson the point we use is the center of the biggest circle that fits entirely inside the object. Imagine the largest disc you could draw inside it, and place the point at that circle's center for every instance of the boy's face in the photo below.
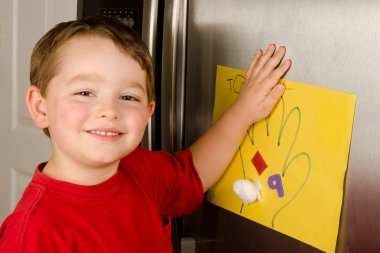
(96, 106)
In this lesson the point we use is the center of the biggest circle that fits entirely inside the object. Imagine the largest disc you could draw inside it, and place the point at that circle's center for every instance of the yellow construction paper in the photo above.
(305, 141)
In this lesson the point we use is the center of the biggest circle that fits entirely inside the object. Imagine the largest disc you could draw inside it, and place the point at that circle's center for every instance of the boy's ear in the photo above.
(37, 106)
(151, 107)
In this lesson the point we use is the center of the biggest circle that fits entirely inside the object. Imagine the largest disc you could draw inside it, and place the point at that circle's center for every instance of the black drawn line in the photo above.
(236, 83)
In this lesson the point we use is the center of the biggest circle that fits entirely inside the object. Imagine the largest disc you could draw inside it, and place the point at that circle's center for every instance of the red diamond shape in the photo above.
(259, 163)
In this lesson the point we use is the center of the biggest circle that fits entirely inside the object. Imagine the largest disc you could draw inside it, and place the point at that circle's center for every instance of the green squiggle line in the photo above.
(286, 163)
(295, 109)
(250, 136)
(282, 120)
(267, 124)
(242, 162)
(299, 190)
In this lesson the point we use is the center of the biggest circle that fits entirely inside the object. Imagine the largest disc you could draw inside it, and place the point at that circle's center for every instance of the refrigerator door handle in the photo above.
(173, 74)
(149, 36)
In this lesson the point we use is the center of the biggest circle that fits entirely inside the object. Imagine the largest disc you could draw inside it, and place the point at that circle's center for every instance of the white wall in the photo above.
(22, 146)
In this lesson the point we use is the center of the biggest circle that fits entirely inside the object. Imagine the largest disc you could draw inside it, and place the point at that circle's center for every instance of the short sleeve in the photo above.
(171, 179)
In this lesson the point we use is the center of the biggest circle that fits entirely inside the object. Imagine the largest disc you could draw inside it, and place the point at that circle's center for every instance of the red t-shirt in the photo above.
(127, 213)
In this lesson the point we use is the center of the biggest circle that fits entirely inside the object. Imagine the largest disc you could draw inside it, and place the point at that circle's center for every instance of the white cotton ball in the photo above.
(247, 191)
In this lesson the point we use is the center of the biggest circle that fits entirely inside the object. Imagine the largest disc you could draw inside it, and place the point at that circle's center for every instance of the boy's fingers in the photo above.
(264, 59)
(253, 64)
(272, 63)
(279, 72)
(264, 72)
(271, 81)
(269, 52)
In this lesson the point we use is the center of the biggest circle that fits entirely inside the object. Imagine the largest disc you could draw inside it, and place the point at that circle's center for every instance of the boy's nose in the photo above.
(110, 115)
(108, 111)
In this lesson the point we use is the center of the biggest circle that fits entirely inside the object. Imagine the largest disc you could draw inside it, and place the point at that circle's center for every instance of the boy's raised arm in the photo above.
(213, 151)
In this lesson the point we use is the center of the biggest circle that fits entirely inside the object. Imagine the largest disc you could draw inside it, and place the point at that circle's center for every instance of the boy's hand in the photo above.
(261, 89)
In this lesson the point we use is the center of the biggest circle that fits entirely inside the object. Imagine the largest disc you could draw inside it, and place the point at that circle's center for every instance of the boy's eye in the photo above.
(129, 98)
(84, 93)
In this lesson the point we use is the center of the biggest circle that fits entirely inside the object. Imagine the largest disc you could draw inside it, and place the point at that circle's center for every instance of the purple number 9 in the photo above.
(275, 183)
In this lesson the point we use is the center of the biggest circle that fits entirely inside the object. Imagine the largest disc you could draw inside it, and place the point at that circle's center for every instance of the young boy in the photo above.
(92, 93)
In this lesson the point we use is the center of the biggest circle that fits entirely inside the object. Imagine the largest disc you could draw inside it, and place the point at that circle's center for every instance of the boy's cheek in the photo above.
(65, 113)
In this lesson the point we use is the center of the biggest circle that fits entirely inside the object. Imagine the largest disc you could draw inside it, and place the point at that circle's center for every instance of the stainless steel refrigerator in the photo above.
(332, 43)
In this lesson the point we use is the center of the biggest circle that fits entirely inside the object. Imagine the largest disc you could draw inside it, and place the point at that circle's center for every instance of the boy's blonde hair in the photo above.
(44, 63)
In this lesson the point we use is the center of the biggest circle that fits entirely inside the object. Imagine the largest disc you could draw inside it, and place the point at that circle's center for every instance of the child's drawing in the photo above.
(297, 155)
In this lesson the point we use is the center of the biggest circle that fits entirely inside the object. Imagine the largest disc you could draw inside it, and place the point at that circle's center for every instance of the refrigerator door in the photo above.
(221, 34)
(333, 44)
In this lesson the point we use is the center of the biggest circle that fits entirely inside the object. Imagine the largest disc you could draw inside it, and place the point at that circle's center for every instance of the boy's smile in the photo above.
(104, 133)
(96, 109)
